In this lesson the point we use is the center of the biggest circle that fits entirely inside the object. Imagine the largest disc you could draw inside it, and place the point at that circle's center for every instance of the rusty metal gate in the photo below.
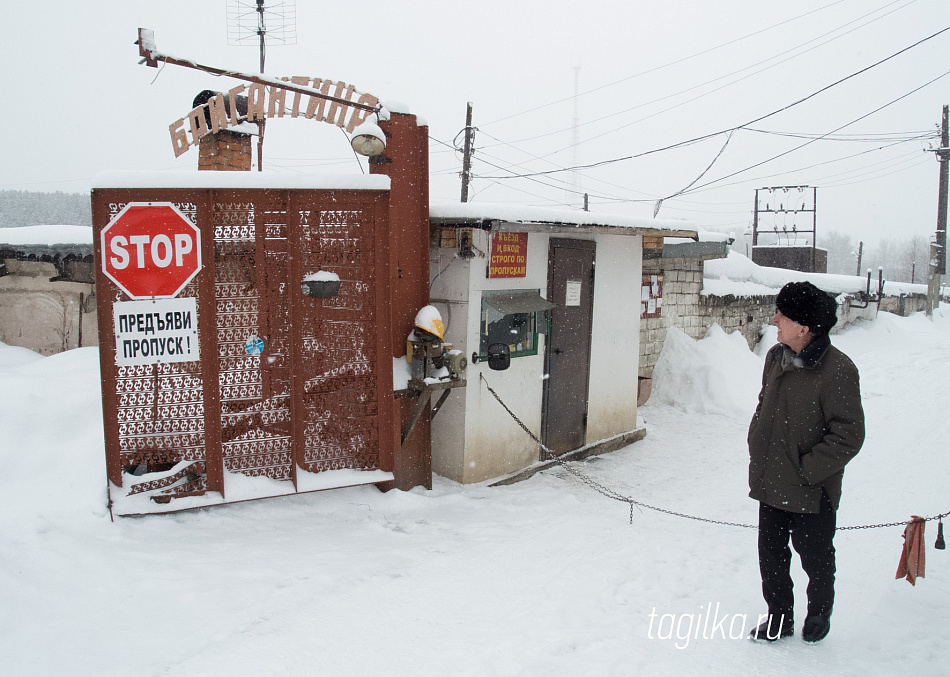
(285, 386)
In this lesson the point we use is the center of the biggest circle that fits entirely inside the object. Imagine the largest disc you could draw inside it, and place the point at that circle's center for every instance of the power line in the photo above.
(671, 63)
(800, 169)
(811, 141)
(722, 77)
(746, 124)
(854, 138)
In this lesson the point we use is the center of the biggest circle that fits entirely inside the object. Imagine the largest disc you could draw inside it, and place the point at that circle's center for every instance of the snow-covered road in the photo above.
(545, 577)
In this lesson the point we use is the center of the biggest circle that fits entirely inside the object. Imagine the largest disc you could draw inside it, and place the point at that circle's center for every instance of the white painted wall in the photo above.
(615, 346)
(473, 438)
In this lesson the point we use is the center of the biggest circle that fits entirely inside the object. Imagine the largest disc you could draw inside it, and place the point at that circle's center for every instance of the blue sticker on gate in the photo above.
(254, 345)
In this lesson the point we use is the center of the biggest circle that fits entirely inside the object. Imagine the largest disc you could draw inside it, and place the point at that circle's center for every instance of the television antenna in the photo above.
(252, 22)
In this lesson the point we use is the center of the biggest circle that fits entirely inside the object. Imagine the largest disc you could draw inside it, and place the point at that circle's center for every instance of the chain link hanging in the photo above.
(610, 493)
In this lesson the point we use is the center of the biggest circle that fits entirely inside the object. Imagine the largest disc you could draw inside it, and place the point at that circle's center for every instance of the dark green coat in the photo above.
(809, 423)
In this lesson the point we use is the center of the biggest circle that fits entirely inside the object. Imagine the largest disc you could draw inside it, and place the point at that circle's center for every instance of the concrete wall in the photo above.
(41, 315)
(473, 438)
(904, 305)
(682, 284)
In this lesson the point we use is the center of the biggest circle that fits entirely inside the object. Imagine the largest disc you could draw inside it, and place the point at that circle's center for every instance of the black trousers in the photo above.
(812, 536)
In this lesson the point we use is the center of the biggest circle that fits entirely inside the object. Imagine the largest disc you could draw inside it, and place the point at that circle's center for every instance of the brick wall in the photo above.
(225, 151)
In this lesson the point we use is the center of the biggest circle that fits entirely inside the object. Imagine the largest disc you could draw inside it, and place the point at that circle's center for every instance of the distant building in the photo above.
(47, 296)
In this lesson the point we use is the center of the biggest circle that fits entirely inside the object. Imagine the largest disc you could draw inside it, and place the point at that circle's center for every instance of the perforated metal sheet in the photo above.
(310, 400)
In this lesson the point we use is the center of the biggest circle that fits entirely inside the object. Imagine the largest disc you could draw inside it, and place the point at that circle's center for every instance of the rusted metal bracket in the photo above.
(151, 56)
(422, 391)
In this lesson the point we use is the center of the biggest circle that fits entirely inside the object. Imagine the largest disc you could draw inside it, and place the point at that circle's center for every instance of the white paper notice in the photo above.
(151, 332)
(645, 293)
(573, 295)
(651, 306)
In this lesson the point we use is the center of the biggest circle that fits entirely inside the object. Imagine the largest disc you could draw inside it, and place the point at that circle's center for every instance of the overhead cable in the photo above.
(703, 137)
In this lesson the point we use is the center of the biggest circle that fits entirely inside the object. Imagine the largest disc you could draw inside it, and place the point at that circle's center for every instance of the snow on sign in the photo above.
(151, 250)
(153, 332)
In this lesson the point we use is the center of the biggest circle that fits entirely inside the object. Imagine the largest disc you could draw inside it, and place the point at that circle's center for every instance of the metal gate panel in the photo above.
(158, 409)
(316, 398)
(255, 427)
(338, 387)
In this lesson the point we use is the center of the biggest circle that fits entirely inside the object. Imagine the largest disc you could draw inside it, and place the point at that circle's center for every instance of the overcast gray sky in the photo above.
(650, 74)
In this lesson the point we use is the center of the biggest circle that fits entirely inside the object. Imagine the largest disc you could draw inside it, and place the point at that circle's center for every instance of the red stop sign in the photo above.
(151, 250)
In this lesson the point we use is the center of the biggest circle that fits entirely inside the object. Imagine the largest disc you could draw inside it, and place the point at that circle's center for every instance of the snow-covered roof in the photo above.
(739, 276)
(489, 213)
(207, 179)
(46, 235)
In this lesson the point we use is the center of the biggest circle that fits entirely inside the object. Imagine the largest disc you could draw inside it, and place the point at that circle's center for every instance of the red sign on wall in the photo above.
(509, 255)
(151, 250)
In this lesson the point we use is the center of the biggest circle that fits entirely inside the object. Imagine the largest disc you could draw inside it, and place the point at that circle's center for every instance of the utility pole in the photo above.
(860, 254)
(938, 252)
(467, 156)
(943, 155)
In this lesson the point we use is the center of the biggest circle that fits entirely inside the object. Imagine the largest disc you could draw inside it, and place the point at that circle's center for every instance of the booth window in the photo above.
(515, 318)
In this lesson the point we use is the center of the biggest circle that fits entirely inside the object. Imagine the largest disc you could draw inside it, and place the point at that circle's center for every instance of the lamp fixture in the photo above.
(368, 139)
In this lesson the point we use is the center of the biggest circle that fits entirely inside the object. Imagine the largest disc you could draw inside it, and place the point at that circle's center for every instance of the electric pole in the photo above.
(860, 254)
(467, 156)
(943, 155)
(939, 257)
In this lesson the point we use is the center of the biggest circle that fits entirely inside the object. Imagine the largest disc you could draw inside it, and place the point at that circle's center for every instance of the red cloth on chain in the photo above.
(911, 565)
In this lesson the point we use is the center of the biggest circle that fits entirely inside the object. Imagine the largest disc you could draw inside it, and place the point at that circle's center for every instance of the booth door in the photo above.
(567, 349)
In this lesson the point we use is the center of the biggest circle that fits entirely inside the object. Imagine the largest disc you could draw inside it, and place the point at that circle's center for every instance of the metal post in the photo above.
(943, 156)
(933, 280)
(467, 156)
(755, 220)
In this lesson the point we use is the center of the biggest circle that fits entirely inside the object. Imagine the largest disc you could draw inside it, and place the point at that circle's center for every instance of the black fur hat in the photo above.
(809, 306)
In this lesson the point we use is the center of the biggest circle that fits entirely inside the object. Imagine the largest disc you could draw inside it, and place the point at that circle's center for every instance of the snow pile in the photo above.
(716, 375)
(46, 235)
(499, 211)
(52, 441)
(14, 356)
(322, 276)
(739, 276)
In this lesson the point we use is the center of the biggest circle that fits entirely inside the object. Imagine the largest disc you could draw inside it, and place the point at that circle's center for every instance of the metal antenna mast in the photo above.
(249, 23)
(575, 140)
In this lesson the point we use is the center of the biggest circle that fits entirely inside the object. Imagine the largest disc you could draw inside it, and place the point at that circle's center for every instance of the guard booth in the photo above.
(245, 336)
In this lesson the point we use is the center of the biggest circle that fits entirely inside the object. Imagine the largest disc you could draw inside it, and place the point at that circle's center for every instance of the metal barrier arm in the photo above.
(422, 392)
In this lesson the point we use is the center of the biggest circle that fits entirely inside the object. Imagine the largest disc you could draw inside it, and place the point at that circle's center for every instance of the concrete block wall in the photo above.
(745, 314)
(682, 284)
(48, 317)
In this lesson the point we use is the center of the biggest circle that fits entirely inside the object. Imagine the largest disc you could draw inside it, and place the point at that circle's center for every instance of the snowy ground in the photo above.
(545, 577)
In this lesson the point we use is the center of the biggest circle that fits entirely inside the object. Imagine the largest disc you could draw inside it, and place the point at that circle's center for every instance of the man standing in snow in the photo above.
(808, 424)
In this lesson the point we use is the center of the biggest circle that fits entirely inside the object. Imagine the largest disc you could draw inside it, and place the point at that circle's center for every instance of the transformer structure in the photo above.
(789, 214)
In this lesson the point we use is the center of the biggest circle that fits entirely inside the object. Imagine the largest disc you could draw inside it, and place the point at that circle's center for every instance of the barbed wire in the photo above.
(614, 495)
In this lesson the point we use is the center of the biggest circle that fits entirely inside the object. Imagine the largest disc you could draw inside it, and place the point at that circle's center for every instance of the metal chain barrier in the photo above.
(610, 493)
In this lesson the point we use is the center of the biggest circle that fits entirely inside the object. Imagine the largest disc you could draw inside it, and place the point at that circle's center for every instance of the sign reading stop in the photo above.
(151, 250)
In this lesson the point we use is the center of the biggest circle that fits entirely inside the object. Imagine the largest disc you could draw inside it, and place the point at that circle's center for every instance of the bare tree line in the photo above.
(903, 259)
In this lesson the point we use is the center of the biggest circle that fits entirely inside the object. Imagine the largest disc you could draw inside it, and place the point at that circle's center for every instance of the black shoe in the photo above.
(816, 628)
(773, 628)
